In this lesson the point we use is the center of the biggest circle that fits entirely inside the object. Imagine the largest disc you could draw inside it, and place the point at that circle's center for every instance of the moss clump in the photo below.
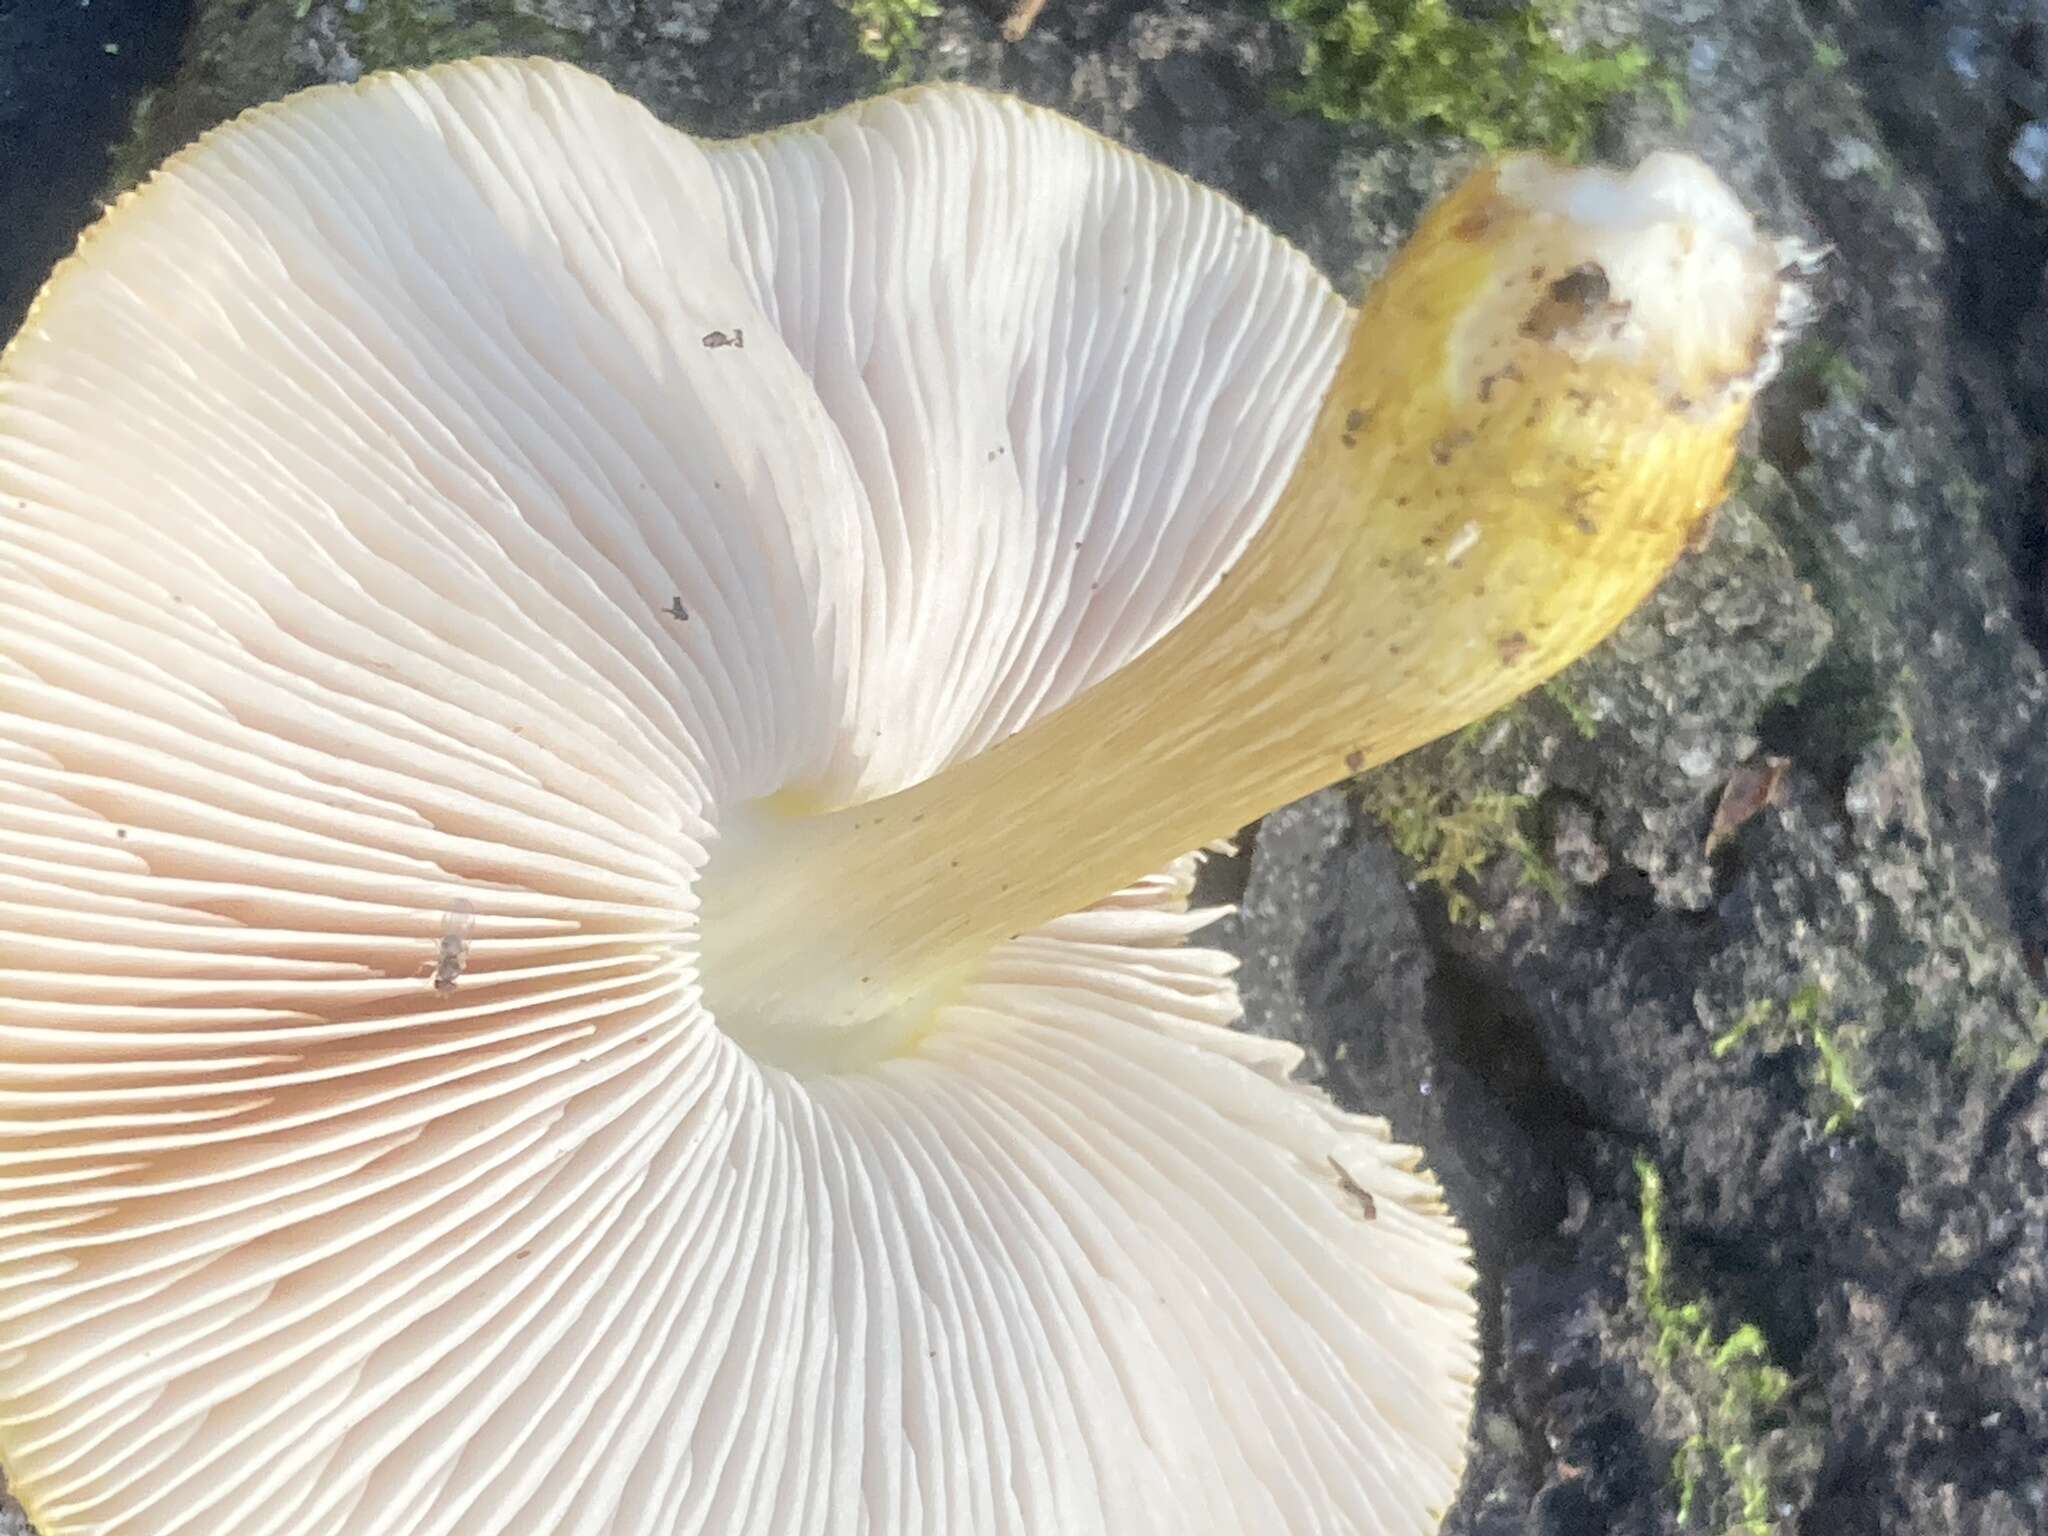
(1802, 1025)
(1444, 817)
(1731, 1389)
(1503, 81)
(411, 34)
(891, 33)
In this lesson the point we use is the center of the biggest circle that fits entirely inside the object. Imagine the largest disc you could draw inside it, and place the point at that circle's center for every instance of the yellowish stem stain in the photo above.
(1504, 466)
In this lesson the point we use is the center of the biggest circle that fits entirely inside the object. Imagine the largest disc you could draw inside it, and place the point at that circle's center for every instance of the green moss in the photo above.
(1732, 1388)
(1838, 1080)
(891, 33)
(1746, 1024)
(1571, 705)
(1827, 370)
(1802, 1024)
(1503, 81)
(1444, 817)
(410, 34)
(137, 153)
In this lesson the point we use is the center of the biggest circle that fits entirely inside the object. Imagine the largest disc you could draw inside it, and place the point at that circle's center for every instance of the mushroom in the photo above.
(569, 700)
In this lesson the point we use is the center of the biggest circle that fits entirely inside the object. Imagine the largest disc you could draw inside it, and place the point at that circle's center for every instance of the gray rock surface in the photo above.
(1751, 1139)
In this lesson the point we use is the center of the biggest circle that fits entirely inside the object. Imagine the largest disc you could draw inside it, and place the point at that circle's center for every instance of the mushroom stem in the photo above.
(1538, 408)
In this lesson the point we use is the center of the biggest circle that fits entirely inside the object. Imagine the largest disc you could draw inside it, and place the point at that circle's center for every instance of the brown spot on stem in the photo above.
(736, 337)
(1569, 302)
(1475, 224)
(1507, 375)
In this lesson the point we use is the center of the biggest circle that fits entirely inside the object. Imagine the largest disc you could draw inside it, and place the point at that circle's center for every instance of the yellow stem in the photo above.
(1512, 453)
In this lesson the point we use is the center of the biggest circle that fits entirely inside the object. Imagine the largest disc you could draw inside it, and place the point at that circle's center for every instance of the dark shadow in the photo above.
(70, 76)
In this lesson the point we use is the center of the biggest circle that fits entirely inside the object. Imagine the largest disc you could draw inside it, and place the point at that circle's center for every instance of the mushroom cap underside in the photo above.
(423, 507)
